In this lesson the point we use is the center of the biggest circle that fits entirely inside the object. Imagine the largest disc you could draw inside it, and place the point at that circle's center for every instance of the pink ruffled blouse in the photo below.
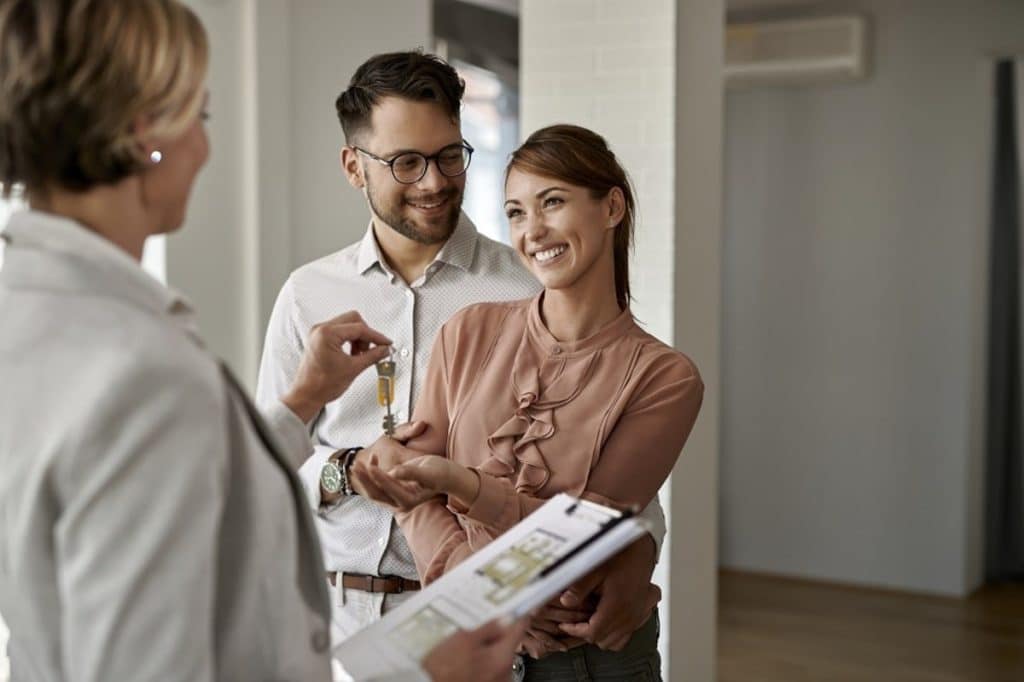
(603, 418)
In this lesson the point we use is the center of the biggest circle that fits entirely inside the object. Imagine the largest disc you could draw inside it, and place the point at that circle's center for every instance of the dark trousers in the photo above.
(638, 662)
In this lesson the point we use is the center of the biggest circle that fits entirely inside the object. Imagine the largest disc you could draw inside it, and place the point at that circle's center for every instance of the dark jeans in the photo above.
(638, 662)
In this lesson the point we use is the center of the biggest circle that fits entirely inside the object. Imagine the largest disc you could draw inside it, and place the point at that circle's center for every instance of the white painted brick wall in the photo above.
(609, 65)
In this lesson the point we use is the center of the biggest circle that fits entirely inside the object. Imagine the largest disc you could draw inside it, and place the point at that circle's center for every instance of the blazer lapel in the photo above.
(313, 589)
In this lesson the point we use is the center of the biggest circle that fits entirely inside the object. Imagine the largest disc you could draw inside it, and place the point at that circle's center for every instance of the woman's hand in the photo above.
(481, 655)
(386, 452)
(625, 597)
(381, 486)
(327, 368)
(544, 636)
(442, 476)
(417, 481)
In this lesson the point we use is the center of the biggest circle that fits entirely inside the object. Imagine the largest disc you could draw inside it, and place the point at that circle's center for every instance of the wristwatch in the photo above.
(334, 477)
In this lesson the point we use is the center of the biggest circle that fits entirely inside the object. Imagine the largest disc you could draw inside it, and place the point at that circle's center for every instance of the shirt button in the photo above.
(556, 349)
(320, 641)
(409, 294)
(404, 352)
(381, 541)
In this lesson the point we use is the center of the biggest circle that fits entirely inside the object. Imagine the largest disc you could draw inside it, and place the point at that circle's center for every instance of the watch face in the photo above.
(330, 478)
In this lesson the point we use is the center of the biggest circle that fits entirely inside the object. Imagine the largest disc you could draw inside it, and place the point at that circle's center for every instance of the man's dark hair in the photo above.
(411, 75)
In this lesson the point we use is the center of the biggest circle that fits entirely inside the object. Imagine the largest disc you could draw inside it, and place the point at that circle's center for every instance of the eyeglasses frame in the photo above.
(390, 163)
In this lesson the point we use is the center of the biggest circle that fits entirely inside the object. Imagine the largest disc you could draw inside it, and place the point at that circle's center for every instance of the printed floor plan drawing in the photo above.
(423, 631)
(514, 574)
(514, 568)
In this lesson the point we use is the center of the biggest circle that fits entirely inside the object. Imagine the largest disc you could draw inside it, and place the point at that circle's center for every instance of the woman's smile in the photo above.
(550, 255)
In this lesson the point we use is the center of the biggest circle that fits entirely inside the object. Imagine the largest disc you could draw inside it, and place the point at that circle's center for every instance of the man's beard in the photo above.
(391, 214)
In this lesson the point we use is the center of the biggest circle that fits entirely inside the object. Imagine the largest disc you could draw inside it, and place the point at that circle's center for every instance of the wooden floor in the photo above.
(781, 630)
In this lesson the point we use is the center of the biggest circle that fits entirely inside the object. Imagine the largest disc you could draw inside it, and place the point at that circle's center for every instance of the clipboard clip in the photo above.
(604, 529)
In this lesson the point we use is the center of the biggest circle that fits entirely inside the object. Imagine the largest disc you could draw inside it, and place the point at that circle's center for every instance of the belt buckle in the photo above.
(399, 582)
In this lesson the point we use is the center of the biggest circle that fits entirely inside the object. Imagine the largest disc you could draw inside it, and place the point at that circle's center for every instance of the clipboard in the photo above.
(614, 534)
(518, 572)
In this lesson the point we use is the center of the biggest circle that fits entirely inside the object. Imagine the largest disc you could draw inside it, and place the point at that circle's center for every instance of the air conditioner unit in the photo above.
(796, 51)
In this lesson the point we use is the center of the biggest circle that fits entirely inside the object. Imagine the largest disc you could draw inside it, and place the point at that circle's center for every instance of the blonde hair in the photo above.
(75, 77)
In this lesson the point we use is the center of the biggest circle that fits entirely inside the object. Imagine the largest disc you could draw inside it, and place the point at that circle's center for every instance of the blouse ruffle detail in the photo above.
(542, 381)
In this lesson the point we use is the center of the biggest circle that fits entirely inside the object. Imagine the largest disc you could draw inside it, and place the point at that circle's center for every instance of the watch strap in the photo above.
(345, 460)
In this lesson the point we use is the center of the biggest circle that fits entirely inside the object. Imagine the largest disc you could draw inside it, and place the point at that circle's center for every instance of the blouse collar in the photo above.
(552, 346)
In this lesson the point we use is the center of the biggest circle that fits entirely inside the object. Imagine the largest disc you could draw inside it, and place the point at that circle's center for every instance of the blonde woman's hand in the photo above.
(481, 655)
(337, 351)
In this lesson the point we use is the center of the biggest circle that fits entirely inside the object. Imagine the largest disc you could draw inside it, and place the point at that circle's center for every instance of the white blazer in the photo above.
(151, 527)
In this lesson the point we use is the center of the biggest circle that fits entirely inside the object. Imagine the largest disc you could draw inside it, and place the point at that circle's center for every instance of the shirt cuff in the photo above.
(656, 526)
(309, 474)
(492, 503)
(653, 516)
(292, 434)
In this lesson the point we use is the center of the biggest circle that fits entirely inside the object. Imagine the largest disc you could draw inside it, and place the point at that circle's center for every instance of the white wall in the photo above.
(208, 259)
(326, 212)
(610, 66)
(645, 74)
(854, 286)
(697, 323)
(273, 196)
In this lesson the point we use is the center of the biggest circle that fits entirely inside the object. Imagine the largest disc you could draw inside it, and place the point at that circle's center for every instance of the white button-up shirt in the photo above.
(358, 535)
(151, 527)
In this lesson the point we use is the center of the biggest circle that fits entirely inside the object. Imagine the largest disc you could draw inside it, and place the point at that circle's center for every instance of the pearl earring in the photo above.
(155, 156)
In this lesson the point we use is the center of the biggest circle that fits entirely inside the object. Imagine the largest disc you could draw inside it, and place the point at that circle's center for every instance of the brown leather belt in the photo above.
(387, 584)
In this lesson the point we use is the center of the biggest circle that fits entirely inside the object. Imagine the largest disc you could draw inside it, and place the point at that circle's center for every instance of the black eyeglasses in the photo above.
(410, 167)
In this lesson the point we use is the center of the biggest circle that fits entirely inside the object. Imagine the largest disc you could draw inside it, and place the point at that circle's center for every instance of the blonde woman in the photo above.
(151, 526)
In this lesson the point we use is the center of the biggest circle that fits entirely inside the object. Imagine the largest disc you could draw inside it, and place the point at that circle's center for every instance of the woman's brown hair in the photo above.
(581, 157)
(75, 77)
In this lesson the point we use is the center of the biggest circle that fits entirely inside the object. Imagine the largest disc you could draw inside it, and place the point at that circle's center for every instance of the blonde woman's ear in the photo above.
(141, 127)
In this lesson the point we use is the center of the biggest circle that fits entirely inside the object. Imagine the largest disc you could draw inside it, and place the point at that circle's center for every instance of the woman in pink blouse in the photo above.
(560, 393)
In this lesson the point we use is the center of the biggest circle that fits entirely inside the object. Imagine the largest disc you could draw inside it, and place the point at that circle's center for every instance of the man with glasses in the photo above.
(419, 262)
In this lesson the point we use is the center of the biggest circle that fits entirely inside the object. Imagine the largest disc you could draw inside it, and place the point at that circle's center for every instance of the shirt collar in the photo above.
(369, 252)
(459, 250)
(87, 261)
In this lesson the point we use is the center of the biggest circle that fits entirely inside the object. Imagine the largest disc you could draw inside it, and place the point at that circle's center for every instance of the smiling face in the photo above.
(426, 211)
(562, 232)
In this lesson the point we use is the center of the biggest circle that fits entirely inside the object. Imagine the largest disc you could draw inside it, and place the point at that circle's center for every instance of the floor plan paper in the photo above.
(521, 570)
